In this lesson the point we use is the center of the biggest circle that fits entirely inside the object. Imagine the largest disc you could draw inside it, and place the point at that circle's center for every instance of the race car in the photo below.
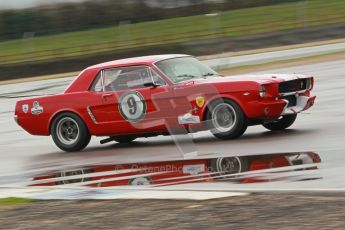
(163, 95)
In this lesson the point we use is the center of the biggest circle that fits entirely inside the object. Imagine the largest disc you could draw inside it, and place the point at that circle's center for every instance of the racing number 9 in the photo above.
(132, 105)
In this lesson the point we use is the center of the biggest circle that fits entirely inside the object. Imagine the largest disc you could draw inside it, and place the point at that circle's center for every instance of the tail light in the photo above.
(16, 119)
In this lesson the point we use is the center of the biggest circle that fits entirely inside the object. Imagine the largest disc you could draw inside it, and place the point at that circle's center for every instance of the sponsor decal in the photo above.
(188, 119)
(25, 108)
(36, 109)
(200, 101)
(193, 169)
(132, 106)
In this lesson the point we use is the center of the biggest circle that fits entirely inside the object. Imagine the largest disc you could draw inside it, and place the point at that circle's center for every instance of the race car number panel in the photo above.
(132, 106)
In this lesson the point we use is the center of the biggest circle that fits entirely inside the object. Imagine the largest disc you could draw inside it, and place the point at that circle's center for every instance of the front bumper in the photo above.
(303, 103)
(273, 109)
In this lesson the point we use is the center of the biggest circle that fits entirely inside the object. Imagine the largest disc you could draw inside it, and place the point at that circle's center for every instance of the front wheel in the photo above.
(281, 123)
(226, 119)
(69, 132)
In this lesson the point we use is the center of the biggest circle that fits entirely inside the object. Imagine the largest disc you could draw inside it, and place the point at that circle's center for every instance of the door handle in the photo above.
(107, 95)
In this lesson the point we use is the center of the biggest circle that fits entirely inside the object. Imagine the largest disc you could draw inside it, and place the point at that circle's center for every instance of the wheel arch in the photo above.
(52, 118)
(221, 97)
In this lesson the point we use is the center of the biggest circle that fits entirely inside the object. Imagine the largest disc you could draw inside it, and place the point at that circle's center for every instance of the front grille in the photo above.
(292, 100)
(293, 86)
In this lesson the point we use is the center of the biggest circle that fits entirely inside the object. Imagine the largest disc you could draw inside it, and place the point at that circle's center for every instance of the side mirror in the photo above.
(151, 84)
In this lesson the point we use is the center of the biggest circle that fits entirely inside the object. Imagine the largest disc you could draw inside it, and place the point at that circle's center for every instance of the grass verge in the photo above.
(12, 201)
(229, 71)
(226, 24)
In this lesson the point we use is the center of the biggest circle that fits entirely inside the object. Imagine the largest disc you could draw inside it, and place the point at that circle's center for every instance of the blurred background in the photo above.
(48, 37)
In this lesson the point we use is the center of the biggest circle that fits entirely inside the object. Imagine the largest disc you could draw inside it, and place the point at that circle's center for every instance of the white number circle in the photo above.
(140, 181)
(132, 106)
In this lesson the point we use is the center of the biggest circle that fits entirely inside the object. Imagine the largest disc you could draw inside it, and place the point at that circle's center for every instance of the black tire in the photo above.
(282, 123)
(239, 121)
(123, 139)
(229, 165)
(69, 132)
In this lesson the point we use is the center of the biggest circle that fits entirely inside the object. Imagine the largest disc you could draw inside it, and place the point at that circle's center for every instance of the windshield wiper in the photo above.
(209, 74)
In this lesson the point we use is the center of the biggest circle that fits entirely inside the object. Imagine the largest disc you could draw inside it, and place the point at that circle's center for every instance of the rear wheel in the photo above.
(69, 132)
(226, 119)
(281, 123)
(124, 139)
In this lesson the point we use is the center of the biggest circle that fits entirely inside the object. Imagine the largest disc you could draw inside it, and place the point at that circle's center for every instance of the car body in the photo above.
(163, 94)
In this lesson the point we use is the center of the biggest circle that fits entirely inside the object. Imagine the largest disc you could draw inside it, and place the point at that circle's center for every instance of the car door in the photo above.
(127, 104)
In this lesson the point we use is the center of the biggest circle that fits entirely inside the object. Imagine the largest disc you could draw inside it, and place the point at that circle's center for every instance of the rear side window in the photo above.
(97, 85)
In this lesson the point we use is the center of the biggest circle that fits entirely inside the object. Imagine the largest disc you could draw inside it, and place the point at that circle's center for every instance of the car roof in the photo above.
(136, 60)
(87, 76)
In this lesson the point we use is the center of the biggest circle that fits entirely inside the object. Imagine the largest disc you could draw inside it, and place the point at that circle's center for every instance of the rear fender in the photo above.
(65, 111)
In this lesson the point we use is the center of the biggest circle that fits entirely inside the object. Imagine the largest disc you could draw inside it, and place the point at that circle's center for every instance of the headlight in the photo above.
(308, 82)
(262, 91)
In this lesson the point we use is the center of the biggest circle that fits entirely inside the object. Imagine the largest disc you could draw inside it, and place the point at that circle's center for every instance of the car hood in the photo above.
(260, 78)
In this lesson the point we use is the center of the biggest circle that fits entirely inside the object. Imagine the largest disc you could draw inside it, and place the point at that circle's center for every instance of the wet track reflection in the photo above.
(104, 176)
(232, 169)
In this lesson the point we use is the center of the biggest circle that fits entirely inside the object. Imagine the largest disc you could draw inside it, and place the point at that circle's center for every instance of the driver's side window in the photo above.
(123, 78)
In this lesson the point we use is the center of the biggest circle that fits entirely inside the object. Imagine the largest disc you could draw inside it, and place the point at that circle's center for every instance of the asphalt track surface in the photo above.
(320, 129)
(258, 211)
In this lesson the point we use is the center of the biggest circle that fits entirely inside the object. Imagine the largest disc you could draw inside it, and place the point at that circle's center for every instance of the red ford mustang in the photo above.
(163, 95)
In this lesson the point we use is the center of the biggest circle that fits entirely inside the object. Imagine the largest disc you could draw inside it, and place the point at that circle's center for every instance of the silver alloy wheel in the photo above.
(229, 165)
(223, 118)
(67, 131)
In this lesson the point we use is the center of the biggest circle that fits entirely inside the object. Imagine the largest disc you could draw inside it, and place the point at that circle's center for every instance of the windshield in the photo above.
(185, 68)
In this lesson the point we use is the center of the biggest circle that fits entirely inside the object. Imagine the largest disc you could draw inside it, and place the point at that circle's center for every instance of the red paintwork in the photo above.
(280, 160)
(166, 172)
(161, 110)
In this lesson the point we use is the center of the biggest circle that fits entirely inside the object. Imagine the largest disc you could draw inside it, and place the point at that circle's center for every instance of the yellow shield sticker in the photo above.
(200, 101)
